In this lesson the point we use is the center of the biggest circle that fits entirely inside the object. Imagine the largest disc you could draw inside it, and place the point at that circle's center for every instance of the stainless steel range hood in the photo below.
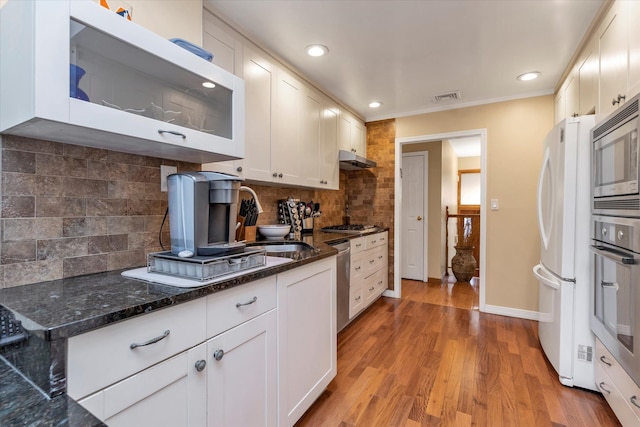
(351, 161)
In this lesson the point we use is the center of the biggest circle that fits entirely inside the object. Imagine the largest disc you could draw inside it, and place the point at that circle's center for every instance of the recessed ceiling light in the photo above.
(528, 76)
(208, 85)
(375, 104)
(317, 50)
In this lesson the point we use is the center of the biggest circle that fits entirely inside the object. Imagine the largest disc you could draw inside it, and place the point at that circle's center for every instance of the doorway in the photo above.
(414, 252)
(398, 219)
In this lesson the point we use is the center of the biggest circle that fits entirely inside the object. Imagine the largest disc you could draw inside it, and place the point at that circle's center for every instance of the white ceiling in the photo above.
(404, 53)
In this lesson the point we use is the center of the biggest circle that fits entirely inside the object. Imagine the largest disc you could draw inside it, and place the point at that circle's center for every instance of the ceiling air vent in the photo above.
(450, 96)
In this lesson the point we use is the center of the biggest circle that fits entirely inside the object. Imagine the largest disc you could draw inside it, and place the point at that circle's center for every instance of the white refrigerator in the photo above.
(564, 221)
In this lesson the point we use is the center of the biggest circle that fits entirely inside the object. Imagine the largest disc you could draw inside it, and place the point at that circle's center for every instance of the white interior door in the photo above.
(414, 247)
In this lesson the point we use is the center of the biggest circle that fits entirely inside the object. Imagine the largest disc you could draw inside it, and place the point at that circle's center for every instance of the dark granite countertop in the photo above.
(56, 310)
(22, 404)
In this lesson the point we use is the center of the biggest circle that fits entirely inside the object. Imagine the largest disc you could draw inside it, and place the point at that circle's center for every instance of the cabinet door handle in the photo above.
(603, 360)
(200, 365)
(614, 101)
(621, 97)
(251, 301)
(218, 354)
(151, 341)
(239, 169)
(280, 175)
(172, 132)
(602, 387)
(275, 174)
(634, 400)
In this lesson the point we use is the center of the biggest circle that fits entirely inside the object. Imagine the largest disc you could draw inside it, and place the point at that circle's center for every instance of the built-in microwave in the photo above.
(615, 162)
(615, 319)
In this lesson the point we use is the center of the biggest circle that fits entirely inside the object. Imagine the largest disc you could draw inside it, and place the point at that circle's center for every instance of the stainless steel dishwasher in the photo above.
(344, 255)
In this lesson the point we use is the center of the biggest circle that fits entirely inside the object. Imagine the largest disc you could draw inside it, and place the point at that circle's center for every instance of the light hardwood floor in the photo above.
(430, 359)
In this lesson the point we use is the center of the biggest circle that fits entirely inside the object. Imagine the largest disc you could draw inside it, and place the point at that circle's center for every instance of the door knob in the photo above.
(419, 218)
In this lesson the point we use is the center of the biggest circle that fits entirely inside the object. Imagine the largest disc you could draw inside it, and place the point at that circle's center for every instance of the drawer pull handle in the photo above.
(373, 242)
(358, 298)
(151, 341)
(602, 387)
(357, 268)
(358, 245)
(603, 360)
(372, 288)
(380, 282)
(371, 261)
(218, 354)
(172, 132)
(200, 365)
(634, 400)
(251, 301)
(380, 257)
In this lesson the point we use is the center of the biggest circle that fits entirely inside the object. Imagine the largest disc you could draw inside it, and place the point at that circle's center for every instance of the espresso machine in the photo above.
(203, 208)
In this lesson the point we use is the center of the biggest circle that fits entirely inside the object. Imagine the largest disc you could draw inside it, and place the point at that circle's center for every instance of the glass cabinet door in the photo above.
(110, 72)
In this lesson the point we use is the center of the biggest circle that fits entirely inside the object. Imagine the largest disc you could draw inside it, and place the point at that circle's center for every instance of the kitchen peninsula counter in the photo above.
(56, 310)
(53, 311)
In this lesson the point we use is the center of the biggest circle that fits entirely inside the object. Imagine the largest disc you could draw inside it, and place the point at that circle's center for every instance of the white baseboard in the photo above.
(511, 312)
(390, 293)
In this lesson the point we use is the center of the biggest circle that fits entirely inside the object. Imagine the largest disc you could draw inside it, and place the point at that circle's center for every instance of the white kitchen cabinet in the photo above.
(107, 355)
(171, 393)
(139, 92)
(560, 105)
(572, 95)
(220, 41)
(617, 387)
(329, 164)
(286, 147)
(310, 130)
(633, 17)
(259, 78)
(241, 374)
(614, 45)
(351, 134)
(369, 269)
(588, 82)
(306, 336)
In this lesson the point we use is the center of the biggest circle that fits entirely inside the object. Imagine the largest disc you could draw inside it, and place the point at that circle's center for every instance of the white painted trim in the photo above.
(512, 312)
(397, 281)
(391, 293)
(456, 106)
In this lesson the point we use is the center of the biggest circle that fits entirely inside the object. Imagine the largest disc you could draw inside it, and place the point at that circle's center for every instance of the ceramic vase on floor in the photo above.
(463, 263)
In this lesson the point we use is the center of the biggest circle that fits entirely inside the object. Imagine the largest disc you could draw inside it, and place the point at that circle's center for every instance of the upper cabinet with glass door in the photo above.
(75, 72)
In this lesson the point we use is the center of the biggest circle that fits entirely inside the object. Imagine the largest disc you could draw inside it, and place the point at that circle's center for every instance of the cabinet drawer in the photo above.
(356, 301)
(618, 376)
(358, 266)
(104, 356)
(615, 398)
(357, 245)
(234, 306)
(375, 240)
(374, 286)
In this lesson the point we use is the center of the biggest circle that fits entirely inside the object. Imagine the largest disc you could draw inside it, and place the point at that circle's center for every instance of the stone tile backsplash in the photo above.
(69, 210)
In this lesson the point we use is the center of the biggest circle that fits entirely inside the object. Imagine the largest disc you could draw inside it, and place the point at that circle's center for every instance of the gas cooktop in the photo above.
(350, 228)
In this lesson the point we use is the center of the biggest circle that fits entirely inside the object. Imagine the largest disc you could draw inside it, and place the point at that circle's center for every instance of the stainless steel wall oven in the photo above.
(616, 292)
(615, 232)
